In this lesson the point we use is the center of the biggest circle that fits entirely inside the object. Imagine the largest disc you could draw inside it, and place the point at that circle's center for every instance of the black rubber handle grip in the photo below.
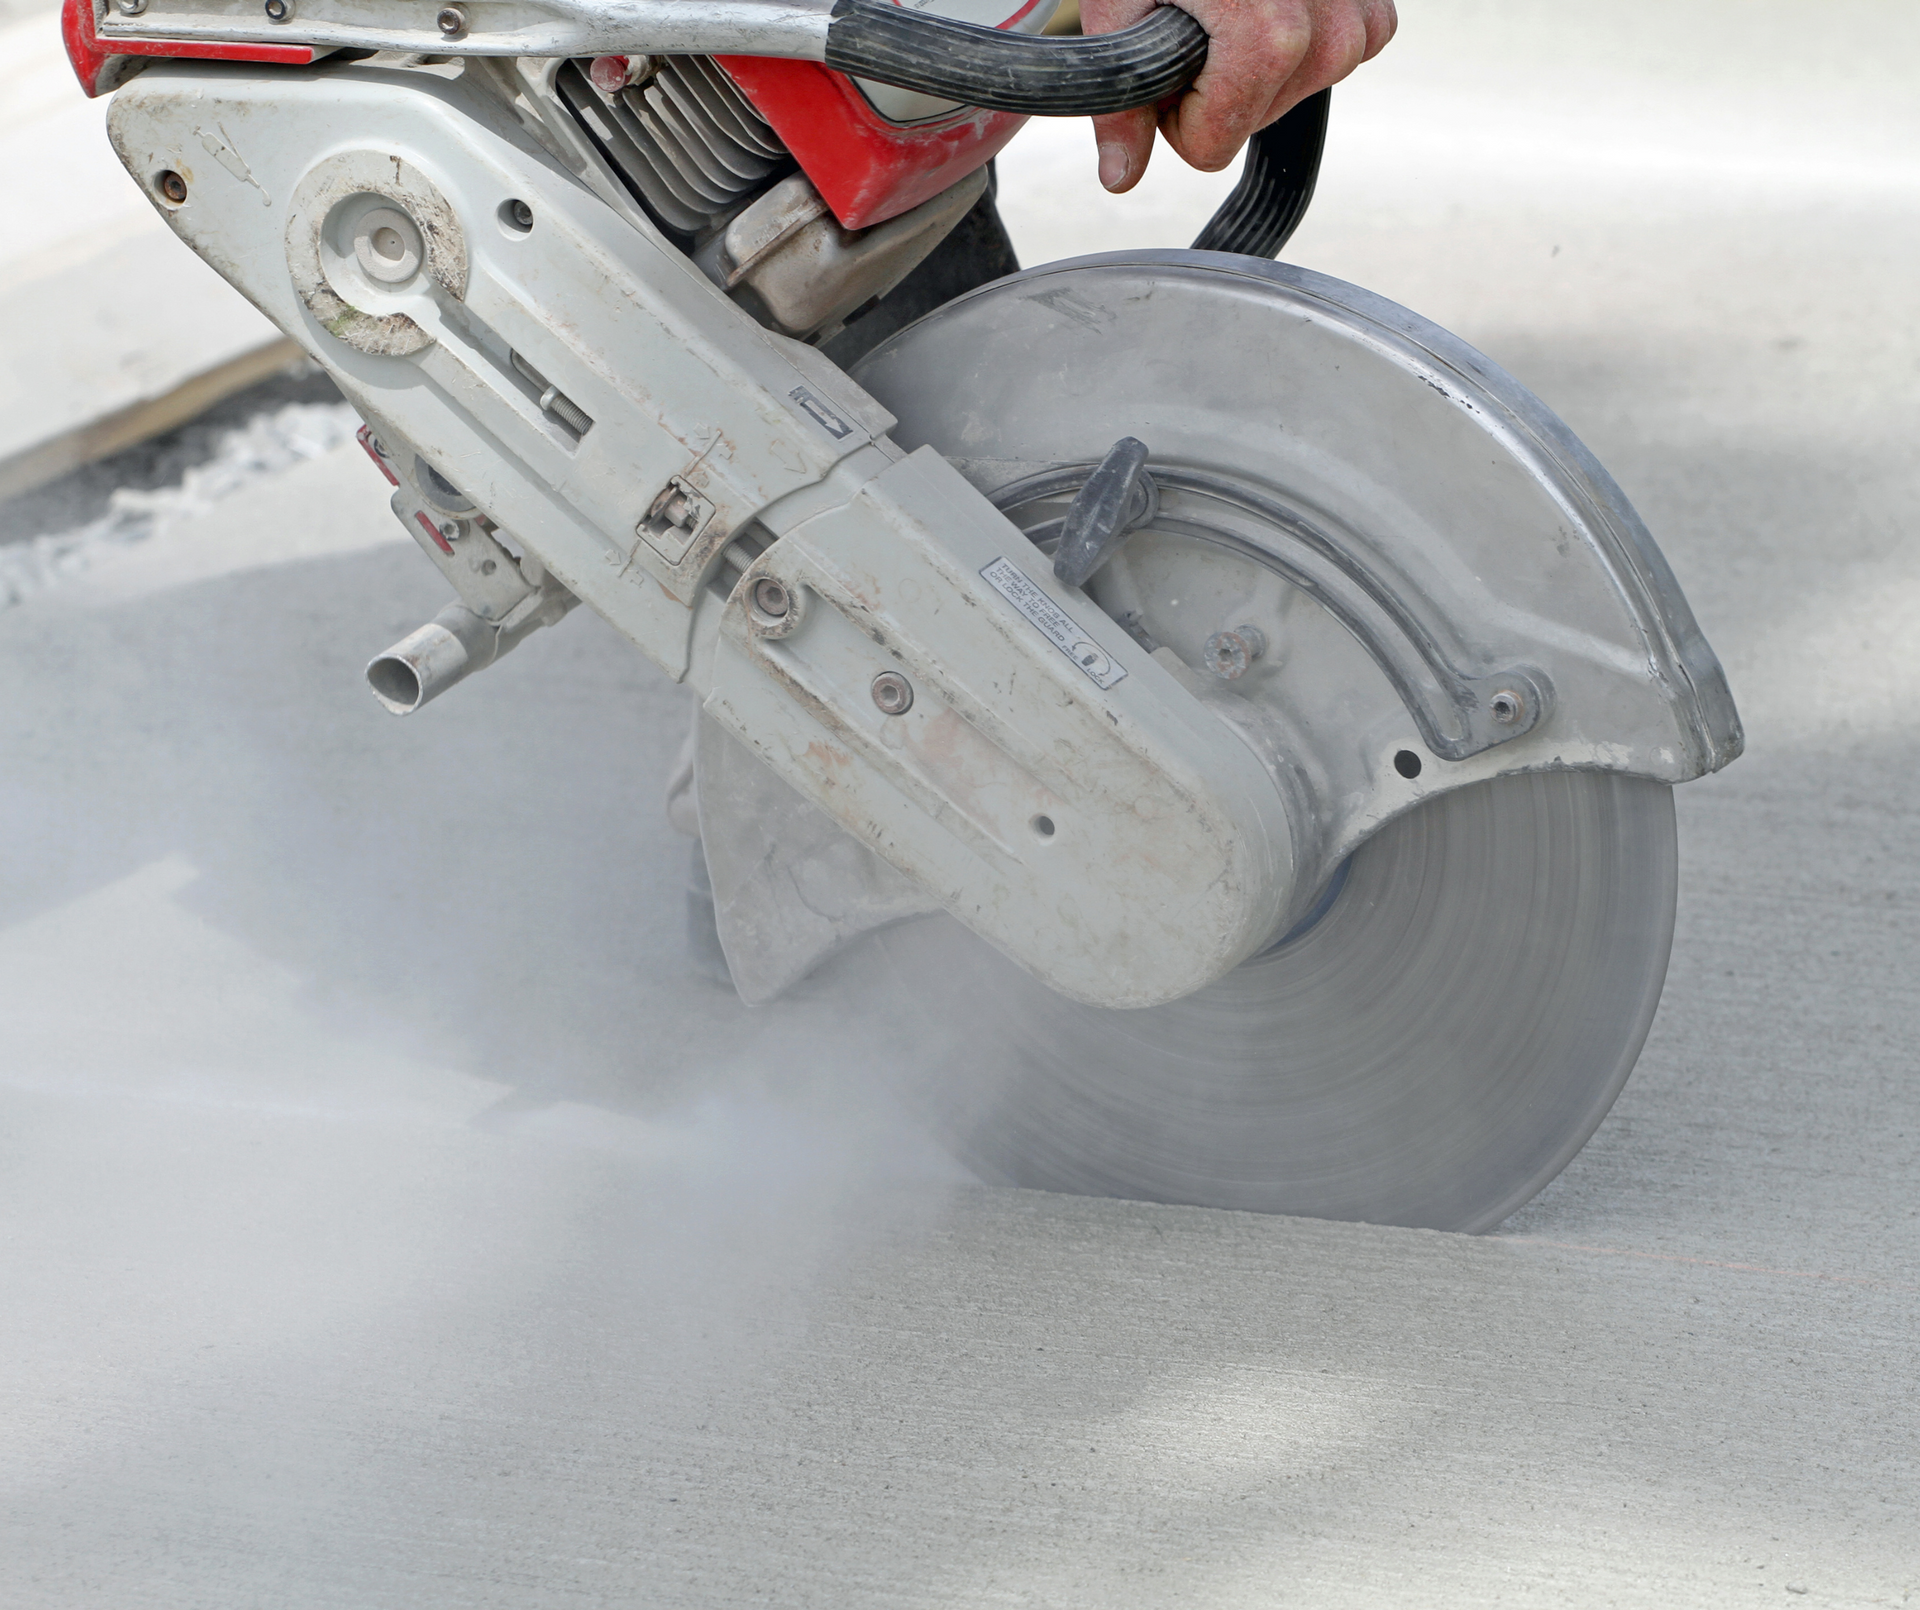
(1061, 76)
(1276, 184)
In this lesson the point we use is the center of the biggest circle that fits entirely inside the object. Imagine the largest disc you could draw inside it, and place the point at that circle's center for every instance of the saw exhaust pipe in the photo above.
(451, 647)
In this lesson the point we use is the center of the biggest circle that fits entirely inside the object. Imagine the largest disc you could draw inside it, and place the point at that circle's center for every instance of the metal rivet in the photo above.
(278, 10)
(1506, 707)
(172, 186)
(770, 597)
(452, 21)
(388, 246)
(893, 693)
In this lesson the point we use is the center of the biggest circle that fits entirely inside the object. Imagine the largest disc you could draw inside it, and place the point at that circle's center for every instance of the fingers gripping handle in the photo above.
(1010, 72)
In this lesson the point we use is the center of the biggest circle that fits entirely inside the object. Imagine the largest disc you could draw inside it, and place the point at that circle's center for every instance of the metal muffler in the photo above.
(451, 647)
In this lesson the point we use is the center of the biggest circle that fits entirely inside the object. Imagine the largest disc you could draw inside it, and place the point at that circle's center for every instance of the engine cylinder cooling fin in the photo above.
(685, 141)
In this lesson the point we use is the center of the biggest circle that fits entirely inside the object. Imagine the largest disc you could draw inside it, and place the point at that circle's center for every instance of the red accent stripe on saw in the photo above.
(433, 531)
(79, 28)
(364, 436)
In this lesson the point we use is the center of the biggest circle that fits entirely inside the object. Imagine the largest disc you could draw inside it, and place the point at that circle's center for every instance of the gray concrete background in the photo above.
(390, 1216)
(112, 331)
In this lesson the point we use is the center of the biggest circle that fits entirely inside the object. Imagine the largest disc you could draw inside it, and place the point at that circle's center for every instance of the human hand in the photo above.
(1265, 56)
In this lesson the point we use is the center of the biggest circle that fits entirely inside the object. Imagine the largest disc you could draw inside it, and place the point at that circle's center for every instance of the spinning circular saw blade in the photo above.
(1432, 1051)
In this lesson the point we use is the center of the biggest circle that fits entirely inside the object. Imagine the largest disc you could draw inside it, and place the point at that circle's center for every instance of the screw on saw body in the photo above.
(516, 215)
(1118, 497)
(1229, 654)
(132, 8)
(611, 74)
(278, 10)
(771, 599)
(452, 22)
(171, 185)
(1507, 707)
(892, 693)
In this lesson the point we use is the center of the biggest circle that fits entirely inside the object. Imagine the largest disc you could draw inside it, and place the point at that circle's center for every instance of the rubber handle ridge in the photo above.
(1000, 71)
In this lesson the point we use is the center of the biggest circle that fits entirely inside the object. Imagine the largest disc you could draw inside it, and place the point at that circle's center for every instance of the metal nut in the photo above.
(1229, 654)
(278, 10)
(171, 185)
(770, 597)
(1507, 707)
(893, 693)
(452, 21)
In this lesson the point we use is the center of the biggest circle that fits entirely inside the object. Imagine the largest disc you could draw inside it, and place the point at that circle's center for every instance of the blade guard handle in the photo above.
(1117, 497)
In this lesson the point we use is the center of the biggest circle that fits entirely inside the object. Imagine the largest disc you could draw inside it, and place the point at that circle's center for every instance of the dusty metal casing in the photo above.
(1046, 778)
(679, 388)
(1171, 855)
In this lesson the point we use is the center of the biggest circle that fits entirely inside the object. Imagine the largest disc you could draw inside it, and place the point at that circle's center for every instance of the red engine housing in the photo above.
(866, 168)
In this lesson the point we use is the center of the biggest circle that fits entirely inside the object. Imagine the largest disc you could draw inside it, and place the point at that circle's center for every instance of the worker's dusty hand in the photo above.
(1265, 56)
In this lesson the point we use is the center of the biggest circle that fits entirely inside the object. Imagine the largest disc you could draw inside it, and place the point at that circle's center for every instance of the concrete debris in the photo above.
(266, 445)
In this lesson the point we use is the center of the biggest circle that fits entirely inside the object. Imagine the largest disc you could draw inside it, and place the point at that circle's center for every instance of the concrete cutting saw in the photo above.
(1240, 717)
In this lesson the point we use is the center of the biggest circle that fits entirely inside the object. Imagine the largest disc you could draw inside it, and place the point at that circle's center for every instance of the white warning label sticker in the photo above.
(1017, 588)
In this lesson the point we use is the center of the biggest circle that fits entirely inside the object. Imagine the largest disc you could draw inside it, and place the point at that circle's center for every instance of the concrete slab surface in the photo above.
(114, 331)
(390, 1214)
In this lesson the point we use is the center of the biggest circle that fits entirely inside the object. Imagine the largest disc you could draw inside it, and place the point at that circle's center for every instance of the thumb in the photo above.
(1125, 142)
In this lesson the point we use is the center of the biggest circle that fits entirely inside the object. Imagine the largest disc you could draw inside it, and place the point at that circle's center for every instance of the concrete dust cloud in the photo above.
(409, 1002)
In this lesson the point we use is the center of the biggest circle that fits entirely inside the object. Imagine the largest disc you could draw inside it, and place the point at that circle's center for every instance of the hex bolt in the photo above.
(172, 186)
(278, 10)
(770, 598)
(892, 693)
(452, 21)
(1229, 654)
(1506, 707)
